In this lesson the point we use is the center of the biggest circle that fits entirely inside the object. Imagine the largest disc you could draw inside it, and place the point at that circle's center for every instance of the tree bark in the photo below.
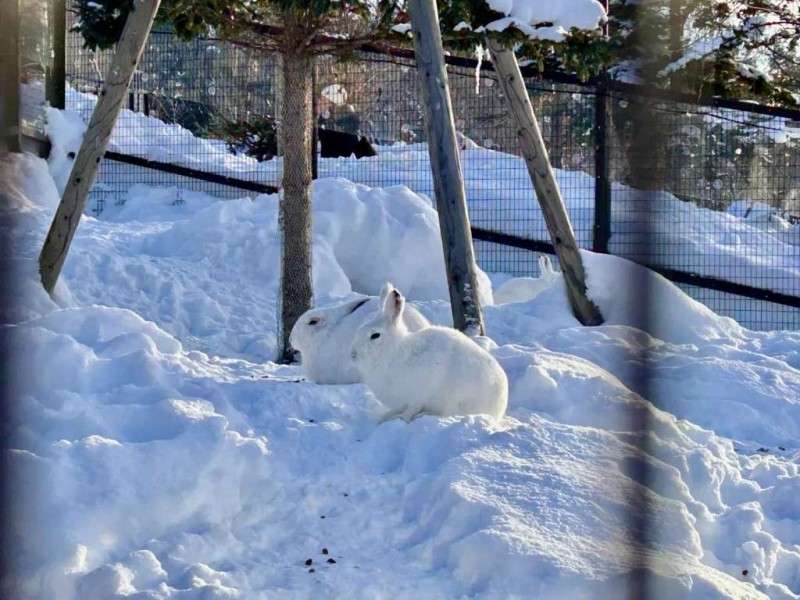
(295, 205)
(451, 199)
(87, 162)
(544, 182)
(10, 137)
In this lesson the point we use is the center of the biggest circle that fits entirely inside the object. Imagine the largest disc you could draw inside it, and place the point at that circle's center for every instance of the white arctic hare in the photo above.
(435, 371)
(324, 337)
(522, 289)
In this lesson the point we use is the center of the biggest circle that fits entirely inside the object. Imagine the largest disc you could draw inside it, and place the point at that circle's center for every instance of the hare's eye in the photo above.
(375, 336)
(313, 321)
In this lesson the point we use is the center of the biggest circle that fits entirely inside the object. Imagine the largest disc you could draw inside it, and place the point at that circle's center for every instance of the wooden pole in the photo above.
(544, 182)
(451, 198)
(10, 137)
(87, 162)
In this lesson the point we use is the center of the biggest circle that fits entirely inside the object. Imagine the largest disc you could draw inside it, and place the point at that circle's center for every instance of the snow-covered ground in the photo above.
(156, 452)
(756, 248)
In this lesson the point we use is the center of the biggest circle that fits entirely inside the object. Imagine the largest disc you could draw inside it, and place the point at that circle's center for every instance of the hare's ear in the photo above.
(384, 297)
(394, 306)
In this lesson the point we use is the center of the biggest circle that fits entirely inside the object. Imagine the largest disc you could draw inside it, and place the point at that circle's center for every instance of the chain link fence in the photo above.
(725, 221)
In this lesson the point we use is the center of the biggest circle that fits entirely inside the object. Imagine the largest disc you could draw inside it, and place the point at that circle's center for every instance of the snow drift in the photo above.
(156, 454)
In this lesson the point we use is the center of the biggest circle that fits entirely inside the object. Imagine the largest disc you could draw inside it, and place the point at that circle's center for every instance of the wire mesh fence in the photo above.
(220, 101)
(726, 210)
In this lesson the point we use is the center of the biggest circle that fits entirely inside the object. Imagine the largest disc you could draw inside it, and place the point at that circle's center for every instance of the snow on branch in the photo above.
(546, 19)
(696, 51)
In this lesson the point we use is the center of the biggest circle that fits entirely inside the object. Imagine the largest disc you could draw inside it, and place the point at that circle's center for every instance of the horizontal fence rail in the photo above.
(233, 182)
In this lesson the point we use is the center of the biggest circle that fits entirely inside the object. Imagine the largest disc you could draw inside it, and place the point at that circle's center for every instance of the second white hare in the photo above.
(522, 289)
(324, 337)
(435, 371)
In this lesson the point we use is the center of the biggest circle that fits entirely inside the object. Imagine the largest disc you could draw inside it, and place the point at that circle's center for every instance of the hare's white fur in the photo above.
(436, 371)
(324, 337)
(522, 289)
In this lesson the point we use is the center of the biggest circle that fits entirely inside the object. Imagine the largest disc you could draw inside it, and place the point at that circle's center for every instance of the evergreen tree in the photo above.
(728, 48)
(298, 30)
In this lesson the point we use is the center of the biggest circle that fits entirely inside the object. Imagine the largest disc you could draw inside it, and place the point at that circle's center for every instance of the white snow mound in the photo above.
(156, 453)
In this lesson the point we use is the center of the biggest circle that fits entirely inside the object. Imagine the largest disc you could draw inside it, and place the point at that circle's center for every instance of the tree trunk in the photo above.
(451, 199)
(295, 206)
(9, 76)
(87, 162)
(544, 182)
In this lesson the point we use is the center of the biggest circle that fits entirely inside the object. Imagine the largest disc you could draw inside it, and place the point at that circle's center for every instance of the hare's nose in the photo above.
(353, 355)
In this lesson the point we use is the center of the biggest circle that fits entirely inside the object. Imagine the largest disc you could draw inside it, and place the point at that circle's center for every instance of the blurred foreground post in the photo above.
(9, 77)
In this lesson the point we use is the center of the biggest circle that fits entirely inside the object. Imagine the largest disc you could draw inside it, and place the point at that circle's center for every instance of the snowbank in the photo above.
(385, 234)
(176, 263)
(759, 248)
(146, 468)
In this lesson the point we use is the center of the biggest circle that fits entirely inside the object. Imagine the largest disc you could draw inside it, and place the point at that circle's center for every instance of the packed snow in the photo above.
(156, 452)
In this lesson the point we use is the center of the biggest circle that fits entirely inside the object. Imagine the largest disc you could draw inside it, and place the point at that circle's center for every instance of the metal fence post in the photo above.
(602, 183)
(315, 118)
(55, 80)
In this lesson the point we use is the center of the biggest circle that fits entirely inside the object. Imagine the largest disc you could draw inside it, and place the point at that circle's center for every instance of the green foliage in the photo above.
(641, 32)
(101, 21)
(101, 24)
(722, 35)
(256, 136)
(583, 53)
(654, 35)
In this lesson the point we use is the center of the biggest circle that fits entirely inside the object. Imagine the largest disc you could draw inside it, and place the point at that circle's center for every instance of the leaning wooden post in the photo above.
(87, 162)
(544, 182)
(448, 185)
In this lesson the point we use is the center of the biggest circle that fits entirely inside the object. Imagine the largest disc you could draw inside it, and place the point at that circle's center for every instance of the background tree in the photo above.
(729, 48)
(745, 49)
(298, 30)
